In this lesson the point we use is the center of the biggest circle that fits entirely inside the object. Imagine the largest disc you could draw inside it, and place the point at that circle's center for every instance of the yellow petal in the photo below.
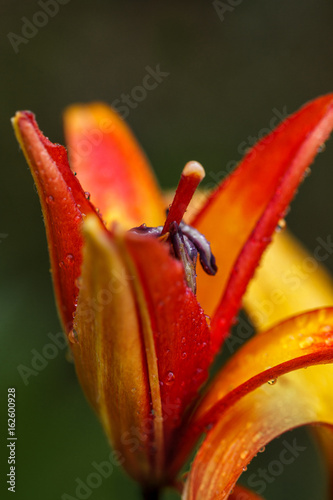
(108, 350)
(298, 398)
(288, 281)
(299, 342)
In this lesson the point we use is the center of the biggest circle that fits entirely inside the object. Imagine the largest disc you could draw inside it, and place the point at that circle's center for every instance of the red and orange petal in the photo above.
(134, 355)
(112, 167)
(63, 204)
(289, 281)
(178, 329)
(242, 214)
(299, 342)
(298, 398)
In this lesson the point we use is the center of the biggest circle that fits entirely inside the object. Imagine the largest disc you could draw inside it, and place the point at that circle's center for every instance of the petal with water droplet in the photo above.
(63, 205)
(240, 217)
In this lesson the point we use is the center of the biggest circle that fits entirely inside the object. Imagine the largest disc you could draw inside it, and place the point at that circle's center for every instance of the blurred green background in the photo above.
(227, 79)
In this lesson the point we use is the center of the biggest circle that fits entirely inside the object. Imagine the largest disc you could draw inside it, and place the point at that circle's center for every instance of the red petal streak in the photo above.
(179, 328)
(111, 166)
(299, 342)
(63, 205)
(240, 217)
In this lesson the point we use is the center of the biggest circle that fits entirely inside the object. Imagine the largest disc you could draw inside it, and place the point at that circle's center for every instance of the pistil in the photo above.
(190, 179)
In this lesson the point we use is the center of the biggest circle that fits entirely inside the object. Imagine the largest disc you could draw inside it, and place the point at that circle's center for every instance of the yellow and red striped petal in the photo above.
(112, 167)
(299, 342)
(241, 216)
(141, 345)
(63, 204)
(298, 398)
(108, 351)
(288, 281)
(178, 329)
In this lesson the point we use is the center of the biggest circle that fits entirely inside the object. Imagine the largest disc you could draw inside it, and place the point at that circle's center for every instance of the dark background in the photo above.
(226, 79)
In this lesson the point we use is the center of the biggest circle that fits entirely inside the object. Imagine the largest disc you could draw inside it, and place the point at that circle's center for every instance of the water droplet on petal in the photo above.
(272, 381)
(87, 195)
(170, 378)
(78, 282)
(69, 259)
(49, 199)
(262, 449)
(184, 355)
(244, 454)
(307, 342)
(73, 337)
(281, 225)
(321, 148)
(326, 329)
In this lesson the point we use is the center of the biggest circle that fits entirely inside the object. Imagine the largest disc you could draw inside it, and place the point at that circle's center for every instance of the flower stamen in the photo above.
(185, 241)
(190, 179)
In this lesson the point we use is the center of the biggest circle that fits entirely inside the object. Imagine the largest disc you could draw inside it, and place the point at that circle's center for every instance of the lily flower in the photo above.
(144, 322)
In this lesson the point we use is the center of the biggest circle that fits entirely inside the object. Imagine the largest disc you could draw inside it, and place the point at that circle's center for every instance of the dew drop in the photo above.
(184, 355)
(69, 259)
(272, 381)
(73, 337)
(170, 378)
(244, 468)
(307, 342)
(329, 342)
(321, 148)
(50, 199)
(280, 225)
(87, 195)
(262, 449)
(325, 329)
(78, 282)
(243, 454)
